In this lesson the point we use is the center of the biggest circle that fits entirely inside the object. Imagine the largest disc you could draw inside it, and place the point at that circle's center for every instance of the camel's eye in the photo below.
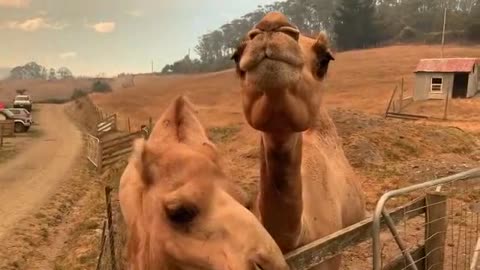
(182, 214)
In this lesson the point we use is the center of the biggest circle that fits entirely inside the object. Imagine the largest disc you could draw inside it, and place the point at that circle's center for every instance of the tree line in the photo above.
(32, 70)
(350, 24)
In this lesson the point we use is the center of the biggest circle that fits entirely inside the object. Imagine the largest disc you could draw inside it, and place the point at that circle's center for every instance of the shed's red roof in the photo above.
(447, 65)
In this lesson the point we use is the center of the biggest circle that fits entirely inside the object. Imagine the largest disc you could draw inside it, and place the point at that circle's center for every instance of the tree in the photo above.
(30, 70)
(473, 23)
(351, 24)
(21, 91)
(355, 24)
(52, 75)
(101, 86)
(64, 73)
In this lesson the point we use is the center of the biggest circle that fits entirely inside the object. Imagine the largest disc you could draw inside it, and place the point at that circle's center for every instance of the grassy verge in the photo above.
(83, 245)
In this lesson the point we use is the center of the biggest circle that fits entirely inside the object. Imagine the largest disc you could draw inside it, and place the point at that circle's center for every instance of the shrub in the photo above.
(101, 87)
(78, 93)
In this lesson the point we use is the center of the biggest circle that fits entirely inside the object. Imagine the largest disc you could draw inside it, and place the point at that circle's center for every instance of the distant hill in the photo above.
(4, 72)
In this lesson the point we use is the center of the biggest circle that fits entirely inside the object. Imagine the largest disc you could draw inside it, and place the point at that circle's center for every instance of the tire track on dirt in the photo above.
(34, 174)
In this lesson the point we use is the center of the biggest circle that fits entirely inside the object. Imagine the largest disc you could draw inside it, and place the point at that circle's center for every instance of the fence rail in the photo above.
(116, 149)
(325, 248)
(107, 125)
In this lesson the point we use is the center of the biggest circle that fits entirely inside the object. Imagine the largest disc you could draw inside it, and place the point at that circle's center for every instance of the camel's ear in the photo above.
(323, 54)
(179, 123)
(237, 55)
(143, 158)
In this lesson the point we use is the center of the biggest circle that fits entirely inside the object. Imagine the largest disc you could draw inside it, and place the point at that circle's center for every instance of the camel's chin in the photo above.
(273, 74)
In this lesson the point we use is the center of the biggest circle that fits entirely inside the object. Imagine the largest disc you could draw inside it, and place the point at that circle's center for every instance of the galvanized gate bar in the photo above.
(476, 252)
(377, 217)
(398, 240)
(320, 250)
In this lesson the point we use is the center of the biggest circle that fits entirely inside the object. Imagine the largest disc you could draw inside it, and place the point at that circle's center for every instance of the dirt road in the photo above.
(33, 175)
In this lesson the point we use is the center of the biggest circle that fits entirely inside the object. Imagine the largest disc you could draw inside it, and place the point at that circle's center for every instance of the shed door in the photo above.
(460, 85)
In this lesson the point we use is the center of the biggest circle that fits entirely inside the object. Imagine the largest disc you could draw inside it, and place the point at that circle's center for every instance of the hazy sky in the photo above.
(111, 36)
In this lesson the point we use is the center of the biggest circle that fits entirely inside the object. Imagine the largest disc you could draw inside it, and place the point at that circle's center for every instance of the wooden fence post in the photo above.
(128, 122)
(436, 225)
(100, 156)
(102, 246)
(1, 135)
(110, 227)
(401, 97)
(390, 102)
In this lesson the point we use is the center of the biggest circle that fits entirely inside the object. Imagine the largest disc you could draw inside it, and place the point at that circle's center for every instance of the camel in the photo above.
(307, 187)
(181, 211)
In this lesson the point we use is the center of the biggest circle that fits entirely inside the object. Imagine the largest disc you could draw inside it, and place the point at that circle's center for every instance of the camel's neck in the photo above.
(280, 197)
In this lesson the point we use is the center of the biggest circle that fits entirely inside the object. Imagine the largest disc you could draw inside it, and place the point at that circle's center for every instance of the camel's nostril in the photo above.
(258, 267)
(291, 31)
(255, 32)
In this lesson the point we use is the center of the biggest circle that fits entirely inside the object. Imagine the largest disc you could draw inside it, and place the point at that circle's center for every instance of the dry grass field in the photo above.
(361, 80)
(41, 90)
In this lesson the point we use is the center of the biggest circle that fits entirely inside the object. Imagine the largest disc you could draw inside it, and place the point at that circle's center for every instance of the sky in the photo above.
(109, 36)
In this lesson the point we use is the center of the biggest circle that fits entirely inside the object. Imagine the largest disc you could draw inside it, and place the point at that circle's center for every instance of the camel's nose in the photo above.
(287, 30)
(254, 33)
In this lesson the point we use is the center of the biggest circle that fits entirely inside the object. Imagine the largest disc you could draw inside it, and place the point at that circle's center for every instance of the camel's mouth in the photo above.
(254, 61)
(255, 57)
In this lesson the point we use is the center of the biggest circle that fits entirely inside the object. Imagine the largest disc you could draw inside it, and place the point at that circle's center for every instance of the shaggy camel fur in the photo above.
(307, 187)
(181, 211)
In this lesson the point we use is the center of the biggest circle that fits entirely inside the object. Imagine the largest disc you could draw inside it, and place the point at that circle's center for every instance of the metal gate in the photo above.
(445, 236)
(93, 151)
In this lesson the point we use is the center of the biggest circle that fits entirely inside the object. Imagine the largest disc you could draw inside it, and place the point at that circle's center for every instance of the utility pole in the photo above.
(445, 111)
(444, 25)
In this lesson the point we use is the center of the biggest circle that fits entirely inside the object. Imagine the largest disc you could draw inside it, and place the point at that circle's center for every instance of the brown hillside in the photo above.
(361, 80)
(358, 81)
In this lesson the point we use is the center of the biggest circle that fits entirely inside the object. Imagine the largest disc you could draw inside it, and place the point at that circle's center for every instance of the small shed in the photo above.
(456, 77)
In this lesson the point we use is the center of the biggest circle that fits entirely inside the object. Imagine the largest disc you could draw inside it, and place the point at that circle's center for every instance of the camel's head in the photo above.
(180, 209)
(281, 72)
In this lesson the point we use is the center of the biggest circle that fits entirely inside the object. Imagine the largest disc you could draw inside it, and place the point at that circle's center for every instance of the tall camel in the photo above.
(307, 187)
(181, 211)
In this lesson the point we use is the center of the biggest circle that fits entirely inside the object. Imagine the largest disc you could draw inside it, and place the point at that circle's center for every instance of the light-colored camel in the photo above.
(307, 187)
(181, 211)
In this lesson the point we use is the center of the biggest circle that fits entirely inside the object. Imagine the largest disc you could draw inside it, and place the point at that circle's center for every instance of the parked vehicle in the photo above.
(22, 122)
(23, 101)
(21, 111)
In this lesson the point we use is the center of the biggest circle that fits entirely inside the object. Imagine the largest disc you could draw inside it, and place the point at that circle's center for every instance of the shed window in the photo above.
(437, 84)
